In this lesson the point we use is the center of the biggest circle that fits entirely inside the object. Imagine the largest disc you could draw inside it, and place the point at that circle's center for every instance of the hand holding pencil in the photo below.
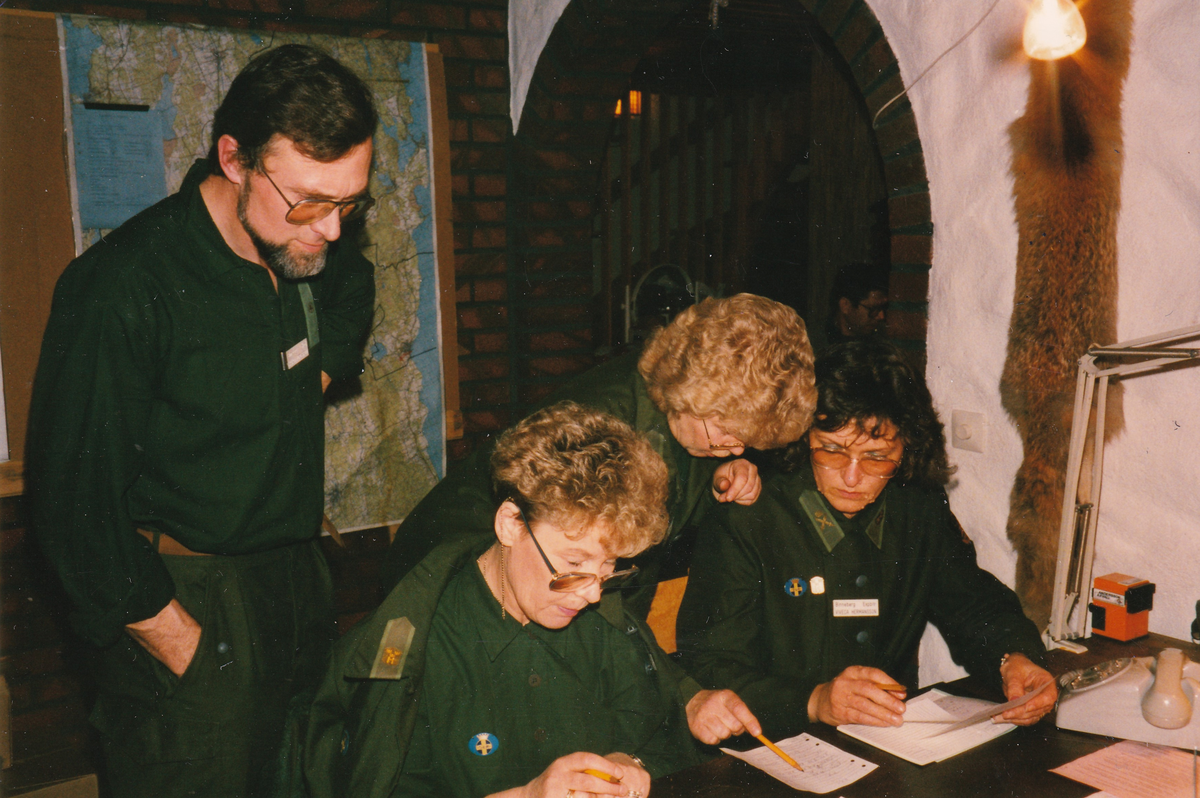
(858, 695)
(584, 773)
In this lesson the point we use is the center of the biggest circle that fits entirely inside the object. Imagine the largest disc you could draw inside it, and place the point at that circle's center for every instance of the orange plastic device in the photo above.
(1121, 606)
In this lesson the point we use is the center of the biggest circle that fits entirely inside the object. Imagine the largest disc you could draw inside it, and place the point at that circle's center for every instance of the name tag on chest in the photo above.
(855, 608)
(296, 354)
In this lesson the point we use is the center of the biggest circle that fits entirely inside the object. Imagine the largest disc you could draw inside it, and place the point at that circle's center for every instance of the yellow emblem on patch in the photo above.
(393, 649)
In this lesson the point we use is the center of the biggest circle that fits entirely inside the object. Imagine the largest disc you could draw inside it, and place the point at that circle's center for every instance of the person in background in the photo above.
(508, 666)
(810, 605)
(725, 375)
(858, 301)
(176, 455)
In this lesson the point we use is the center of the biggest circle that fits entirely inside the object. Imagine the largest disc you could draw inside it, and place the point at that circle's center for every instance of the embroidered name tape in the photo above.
(855, 608)
(393, 649)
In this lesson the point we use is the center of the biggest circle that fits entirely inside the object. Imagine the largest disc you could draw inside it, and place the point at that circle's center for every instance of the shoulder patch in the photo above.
(393, 649)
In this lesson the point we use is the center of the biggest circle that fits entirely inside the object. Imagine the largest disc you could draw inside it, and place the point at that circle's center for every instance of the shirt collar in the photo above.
(829, 523)
(222, 257)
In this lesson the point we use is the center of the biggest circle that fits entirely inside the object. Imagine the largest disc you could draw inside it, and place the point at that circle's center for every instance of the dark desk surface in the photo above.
(1015, 765)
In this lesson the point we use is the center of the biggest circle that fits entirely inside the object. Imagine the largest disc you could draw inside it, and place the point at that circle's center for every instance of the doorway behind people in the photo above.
(743, 159)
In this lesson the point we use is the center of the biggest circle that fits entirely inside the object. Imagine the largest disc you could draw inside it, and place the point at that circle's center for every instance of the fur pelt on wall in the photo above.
(1066, 167)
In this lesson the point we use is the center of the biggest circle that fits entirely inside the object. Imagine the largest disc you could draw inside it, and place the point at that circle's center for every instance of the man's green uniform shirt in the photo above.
(751, 620)
(162, 402)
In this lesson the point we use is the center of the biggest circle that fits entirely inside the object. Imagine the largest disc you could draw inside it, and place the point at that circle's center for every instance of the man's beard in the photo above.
(281, 260)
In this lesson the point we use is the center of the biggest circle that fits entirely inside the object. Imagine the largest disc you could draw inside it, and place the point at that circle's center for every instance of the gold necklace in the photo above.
(503, 579)
(483, 568)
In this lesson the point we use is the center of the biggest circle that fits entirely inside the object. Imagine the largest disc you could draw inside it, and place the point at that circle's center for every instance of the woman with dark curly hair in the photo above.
(810, 605)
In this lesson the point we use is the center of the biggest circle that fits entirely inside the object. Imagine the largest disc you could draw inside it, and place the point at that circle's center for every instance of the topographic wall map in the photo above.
(141, 99)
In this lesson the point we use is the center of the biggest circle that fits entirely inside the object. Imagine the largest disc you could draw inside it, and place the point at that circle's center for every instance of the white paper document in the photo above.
(1130, 769)
(826, 767)
(923, 742)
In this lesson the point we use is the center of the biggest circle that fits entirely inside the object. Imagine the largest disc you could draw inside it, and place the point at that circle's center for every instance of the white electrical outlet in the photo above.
(967, 430)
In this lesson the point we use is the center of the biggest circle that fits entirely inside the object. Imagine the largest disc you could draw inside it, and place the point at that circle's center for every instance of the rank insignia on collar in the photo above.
(483, 744)
(795, 587)
(393, 649)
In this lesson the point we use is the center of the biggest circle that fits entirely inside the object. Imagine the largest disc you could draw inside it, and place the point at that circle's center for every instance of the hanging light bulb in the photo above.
(1054, 29)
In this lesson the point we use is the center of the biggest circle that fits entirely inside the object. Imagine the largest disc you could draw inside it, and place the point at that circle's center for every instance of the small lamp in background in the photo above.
(1054, 29)
(635, 104)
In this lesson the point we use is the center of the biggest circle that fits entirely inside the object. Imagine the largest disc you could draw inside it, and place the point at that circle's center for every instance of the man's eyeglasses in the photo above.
(308, 211)
(723, 450)
(836, 460)
(570, 582)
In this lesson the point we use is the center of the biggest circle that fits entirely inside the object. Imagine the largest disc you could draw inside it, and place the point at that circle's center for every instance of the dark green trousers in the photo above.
(267, 625)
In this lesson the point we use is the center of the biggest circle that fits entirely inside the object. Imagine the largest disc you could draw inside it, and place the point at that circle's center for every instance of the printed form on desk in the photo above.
(826, 767)
(1130, 769)
(922, 742)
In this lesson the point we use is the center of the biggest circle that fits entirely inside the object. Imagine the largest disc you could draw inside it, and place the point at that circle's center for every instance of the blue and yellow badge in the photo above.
(795, 587)
(483, 744)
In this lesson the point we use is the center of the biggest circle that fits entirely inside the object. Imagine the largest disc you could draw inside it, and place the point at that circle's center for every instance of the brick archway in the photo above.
(585, 67)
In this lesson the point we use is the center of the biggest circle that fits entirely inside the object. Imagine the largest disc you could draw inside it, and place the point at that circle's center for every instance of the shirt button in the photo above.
(861, 581)
(534, 680)
(539, 735)
(862, 636)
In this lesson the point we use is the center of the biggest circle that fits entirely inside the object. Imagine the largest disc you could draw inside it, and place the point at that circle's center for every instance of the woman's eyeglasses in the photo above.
(837, 459)
(576, 580)
(720, 450)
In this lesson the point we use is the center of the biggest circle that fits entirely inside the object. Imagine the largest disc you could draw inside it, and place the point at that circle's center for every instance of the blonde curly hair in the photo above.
(580, 469)
(744, 359)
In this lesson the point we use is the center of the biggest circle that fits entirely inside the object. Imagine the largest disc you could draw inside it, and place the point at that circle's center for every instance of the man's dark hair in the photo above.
(856, 281)
(868, 380)
(298, 92)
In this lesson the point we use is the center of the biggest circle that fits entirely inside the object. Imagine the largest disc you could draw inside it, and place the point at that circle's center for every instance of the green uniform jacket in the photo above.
(360, 728)
(462, 502)
(752, 621)
(161, 401)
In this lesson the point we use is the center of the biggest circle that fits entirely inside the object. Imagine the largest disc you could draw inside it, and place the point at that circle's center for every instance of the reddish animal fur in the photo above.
(1067, 189)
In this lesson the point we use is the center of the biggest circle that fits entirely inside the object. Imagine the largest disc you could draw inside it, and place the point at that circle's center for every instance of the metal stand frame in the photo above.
(1077, 530)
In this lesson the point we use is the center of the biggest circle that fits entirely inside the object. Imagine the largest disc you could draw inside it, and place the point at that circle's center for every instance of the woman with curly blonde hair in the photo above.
(498, 666)
(732, 373)
(725, 375)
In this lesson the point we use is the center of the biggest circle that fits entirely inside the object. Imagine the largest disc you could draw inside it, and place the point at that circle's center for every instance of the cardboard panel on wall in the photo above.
(35, 210)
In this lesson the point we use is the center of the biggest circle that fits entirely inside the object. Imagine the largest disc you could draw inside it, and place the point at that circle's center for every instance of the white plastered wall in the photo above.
(1150, 508)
